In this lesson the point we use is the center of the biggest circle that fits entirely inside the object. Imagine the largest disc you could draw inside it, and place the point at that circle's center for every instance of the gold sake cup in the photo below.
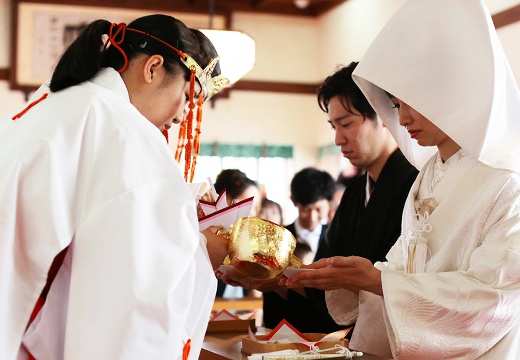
(261, 249)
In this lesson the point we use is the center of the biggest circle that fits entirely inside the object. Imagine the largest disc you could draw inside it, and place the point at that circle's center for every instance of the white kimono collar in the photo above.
(111, 79)
(105, 77)
(308, 237)
(444, 59)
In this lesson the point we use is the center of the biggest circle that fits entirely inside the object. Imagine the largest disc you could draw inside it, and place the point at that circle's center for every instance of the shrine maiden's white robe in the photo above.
(84, 168)
(451, 283)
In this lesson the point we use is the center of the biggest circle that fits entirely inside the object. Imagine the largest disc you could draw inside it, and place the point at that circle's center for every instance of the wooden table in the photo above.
(222, 346)
(227, 346)
(242, 304)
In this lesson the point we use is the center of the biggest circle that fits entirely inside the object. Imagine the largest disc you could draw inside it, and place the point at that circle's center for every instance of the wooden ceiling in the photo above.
(311, 8)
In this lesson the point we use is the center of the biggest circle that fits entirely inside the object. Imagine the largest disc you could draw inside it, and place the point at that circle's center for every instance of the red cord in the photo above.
(165, 133)
(189, 127)
(121, 31)
(186, 350)
(20, 114)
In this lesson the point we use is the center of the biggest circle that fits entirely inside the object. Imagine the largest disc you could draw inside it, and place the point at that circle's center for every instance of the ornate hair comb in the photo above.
(210, 86)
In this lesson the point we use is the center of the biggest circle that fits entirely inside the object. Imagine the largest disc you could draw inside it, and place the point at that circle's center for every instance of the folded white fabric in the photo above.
(280, 352)
(343, 353)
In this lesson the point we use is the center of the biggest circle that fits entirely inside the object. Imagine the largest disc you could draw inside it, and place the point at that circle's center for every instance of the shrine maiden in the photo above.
(90, 186)
(439, 79)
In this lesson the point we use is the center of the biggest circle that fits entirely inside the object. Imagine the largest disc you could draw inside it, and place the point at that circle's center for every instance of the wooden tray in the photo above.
(228, 326)
(250, 346)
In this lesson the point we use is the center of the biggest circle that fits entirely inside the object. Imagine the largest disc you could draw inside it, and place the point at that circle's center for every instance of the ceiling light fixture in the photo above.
(301, 4)
(236, 49)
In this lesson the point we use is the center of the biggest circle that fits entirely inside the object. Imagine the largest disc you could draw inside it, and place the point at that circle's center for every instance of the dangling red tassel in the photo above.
(186, 350)
(181, 141)
(196, 140)
(189, 127)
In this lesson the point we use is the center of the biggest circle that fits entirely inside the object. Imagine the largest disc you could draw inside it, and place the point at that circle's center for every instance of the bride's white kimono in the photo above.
(451, 283)
(467, 299)
(83, 168)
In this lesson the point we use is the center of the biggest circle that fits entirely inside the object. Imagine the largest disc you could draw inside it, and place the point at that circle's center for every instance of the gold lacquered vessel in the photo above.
(259, 248)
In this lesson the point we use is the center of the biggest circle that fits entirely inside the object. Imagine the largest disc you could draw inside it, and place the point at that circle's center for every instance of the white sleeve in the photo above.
(461, 314)
(136, 272)
(203, 240)
(342, 305)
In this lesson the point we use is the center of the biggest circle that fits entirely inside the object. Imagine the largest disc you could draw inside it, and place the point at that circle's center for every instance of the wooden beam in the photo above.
(280, 7)
(506, 17)
(248, 85)
(271, 86)
(4, 74)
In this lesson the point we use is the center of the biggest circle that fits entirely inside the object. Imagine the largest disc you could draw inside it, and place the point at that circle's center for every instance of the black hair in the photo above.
(208, 48)
(268, 203)
(310, 185)
(86, 55)
(341, 84)
(234, 181)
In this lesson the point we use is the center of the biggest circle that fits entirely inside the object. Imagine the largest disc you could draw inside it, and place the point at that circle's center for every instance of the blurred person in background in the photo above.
(270, 210)
(343, 180)
(238, 187)
(311, 192)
